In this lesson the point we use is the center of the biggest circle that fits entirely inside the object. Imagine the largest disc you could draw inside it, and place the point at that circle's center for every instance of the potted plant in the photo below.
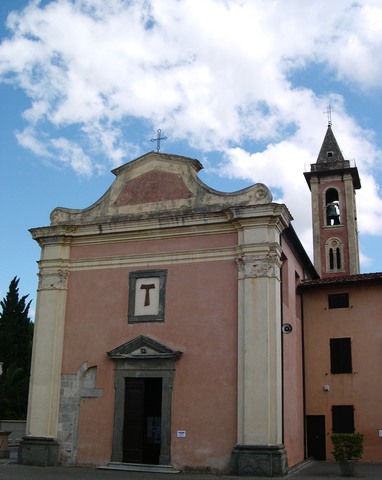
(348, 448)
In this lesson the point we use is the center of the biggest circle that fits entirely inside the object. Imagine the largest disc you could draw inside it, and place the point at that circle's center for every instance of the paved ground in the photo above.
(9, 470)
(315, 471)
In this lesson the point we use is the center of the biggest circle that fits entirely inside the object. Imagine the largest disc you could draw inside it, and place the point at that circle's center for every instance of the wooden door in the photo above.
(133, 421)
(142, 421)
(316, 440)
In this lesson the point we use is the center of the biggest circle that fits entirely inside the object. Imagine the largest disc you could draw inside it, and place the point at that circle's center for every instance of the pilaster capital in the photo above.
(53, 280)
(255, 266)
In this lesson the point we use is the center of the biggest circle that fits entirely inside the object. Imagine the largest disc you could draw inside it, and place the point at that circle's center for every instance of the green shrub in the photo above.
(347, 446)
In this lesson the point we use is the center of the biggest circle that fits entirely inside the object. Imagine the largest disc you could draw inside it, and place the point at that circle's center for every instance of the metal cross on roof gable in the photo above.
(158, 139)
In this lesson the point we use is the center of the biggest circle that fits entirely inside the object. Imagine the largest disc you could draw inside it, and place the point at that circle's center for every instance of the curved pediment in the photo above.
(158, 184)
(143, 347)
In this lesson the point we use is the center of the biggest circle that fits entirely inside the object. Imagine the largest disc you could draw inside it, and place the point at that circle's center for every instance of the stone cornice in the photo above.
(158, 227)
(45, 236)
(272, 214)
(229, 220)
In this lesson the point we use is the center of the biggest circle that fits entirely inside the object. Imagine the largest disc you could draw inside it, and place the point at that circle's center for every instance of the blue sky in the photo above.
(242, 86)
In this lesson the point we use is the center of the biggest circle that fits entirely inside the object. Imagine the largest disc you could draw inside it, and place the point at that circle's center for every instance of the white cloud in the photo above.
(369, 206)
(356, 50)
(73, 155)
(365, 261)
(28, 139)
(213, 81)
(216, 73)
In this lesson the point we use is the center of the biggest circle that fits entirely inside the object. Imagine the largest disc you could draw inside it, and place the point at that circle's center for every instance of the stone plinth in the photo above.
(259, 461)
(38, 451)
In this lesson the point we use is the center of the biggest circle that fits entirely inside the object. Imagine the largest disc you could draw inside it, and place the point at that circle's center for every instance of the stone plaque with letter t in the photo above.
(147, 296)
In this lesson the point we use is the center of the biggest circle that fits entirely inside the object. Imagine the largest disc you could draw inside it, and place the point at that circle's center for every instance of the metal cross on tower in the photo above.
(329, 114)
(158, 139)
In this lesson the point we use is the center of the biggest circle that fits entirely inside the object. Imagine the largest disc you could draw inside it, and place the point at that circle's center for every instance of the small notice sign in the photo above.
(181, 433)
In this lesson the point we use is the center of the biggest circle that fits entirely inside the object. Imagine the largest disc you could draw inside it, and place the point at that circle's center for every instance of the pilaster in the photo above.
(316, 223)
(259, 449)
(351, 222)
(39, 446)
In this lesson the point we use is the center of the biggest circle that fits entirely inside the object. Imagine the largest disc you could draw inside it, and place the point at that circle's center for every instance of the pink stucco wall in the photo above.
(293, 397)
(200, 321)
(362, 323)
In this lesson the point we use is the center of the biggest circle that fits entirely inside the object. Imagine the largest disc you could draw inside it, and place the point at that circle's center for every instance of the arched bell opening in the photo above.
(332, 205)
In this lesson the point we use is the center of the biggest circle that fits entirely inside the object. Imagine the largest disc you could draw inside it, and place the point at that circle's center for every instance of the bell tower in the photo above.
(332, 181)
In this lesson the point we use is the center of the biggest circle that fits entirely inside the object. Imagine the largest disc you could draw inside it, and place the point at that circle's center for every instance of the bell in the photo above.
(332, 214)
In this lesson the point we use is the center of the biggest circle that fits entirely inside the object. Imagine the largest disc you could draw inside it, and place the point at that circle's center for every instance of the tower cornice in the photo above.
(339, 169)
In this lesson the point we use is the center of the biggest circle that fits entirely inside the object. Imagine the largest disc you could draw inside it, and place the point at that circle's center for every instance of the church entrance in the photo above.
(142, 420)
(144, 376)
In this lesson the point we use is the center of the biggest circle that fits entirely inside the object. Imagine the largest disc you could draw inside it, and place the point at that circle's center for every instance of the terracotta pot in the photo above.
(347, 468)
(4, 450)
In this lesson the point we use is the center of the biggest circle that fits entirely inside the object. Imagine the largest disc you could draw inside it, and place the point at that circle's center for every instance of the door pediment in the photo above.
(143, 347)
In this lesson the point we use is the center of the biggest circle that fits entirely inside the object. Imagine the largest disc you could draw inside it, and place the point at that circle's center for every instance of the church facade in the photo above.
(159, 328)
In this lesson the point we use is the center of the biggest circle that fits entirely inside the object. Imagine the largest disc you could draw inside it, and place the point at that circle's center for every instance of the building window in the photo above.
(334, 255)
(331, 259)
(338, 258)
(147, 296)
(340, 355)
(338, 300)
(343, 418)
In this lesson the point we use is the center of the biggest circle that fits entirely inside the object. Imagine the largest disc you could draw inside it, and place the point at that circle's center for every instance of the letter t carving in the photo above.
(147, 294)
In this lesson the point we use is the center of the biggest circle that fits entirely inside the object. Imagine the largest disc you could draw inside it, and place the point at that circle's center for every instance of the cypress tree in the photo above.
(16, 334)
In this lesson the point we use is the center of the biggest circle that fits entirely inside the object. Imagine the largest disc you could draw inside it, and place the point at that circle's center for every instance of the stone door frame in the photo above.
(155, 361)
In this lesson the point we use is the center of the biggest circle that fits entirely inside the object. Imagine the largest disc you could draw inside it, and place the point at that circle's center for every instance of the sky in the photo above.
(244, 86)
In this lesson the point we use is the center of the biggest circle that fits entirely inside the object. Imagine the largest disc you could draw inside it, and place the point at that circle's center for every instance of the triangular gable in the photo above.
(143, 347)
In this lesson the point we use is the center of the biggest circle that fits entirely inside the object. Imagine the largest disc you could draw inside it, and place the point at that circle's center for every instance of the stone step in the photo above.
(139, 467)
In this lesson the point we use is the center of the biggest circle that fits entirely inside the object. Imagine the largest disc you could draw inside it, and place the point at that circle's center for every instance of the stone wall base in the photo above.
(38, 451)
(259, 460)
